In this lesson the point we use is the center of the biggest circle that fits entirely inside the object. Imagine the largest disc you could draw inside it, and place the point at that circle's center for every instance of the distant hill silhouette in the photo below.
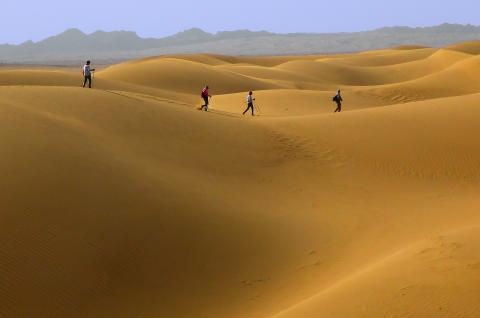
(74, 45)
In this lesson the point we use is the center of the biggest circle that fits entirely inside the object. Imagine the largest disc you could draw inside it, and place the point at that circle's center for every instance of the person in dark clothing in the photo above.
(250, 100)
(87, 74)
(205, 96)
(338, 99)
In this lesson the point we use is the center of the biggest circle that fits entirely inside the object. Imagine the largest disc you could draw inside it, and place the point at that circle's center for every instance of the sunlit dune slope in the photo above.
(291, 102)
(342, 72)
(432, 278)
(385, 57)
(182, 75)
(459, 79)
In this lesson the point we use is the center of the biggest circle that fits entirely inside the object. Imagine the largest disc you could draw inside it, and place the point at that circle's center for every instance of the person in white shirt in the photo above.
(250, 100)
(87, 74)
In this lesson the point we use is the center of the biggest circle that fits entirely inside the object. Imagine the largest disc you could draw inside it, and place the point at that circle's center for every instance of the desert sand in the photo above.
(126, 201)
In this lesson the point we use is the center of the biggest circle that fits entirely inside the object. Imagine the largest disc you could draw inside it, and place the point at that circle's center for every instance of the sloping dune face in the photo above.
(126, 201)
(468, 47)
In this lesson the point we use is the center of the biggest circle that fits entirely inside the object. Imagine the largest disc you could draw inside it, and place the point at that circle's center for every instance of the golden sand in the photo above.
(126, 201)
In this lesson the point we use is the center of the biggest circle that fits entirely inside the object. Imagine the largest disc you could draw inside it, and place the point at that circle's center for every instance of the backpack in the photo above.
(335, 98)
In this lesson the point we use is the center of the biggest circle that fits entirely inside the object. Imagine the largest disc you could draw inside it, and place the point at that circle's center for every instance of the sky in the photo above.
(35, 20)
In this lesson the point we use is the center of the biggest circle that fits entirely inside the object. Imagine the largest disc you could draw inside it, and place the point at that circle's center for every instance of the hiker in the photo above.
(250, 100)
(338, 99)
(87, 74)
(205, 96)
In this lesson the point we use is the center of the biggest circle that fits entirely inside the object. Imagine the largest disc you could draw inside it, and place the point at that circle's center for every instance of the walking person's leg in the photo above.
(252, 109)
(205, 105)
(85, 81)
(90, 81)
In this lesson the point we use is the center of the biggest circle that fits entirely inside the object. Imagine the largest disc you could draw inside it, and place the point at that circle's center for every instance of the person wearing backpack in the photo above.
(250, 100)
(338, 99)
(205, 95)
(87, 74)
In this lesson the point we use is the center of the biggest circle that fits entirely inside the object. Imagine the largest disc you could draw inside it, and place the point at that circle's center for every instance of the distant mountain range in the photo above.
(74, 46)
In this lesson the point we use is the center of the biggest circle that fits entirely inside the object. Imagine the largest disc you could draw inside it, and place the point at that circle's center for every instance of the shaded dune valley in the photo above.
(127, 201)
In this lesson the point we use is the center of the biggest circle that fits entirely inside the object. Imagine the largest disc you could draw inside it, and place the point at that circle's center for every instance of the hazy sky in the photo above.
(33, 19)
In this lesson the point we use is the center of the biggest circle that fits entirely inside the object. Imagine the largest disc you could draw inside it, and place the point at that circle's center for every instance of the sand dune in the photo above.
(182, 75)
(457, 80)
(412, 274)
(126, 201)
(468, 47)
(343, 71)
(387, 57)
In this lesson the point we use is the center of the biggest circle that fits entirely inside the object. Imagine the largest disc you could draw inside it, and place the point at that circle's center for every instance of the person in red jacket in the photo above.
(205, 96)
